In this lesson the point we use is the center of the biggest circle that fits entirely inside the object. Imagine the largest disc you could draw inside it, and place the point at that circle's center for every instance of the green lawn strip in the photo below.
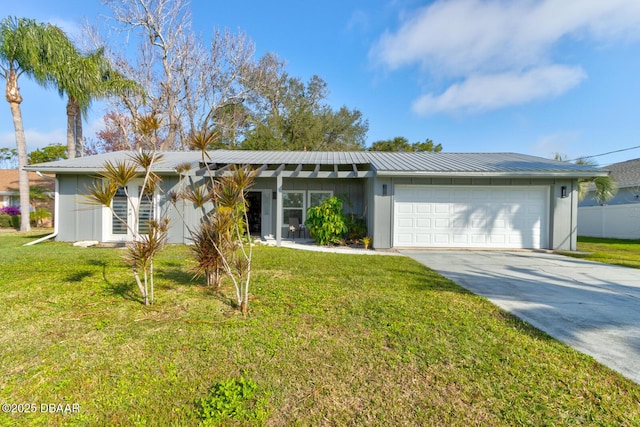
(331, 339)
(621, 252)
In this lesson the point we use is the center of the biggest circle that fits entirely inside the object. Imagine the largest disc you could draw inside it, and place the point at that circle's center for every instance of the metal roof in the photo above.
(344, 163)
(474, 164)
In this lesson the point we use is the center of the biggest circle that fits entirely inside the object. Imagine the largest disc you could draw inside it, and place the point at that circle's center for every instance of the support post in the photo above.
(279, 209)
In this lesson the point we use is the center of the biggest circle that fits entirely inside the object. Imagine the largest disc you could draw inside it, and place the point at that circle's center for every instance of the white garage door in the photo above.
(471, 217)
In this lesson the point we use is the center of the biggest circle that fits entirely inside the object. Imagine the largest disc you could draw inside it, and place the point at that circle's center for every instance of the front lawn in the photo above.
(610, 251)
(331, 339)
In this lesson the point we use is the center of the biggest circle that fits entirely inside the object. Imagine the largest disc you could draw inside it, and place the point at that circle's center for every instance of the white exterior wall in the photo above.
(610, 221)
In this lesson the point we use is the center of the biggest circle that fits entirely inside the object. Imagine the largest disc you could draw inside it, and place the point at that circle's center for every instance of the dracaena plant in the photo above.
(143, 248)
(221, 243)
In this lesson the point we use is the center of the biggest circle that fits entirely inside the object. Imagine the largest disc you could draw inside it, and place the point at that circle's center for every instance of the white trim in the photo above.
(133, 207)
(303, 207)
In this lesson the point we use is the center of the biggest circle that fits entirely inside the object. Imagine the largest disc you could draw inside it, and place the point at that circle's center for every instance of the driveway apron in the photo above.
(592, 307)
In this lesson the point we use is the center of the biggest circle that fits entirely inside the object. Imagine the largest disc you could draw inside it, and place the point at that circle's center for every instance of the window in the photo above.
(120, 207)
(125, 204)
(317, 197)
(292, 206)
(146, 211)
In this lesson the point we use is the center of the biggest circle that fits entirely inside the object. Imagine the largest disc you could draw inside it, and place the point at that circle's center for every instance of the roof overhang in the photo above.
(489, 174)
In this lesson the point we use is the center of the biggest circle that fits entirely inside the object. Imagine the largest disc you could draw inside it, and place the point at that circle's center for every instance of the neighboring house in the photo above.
(627, 178)
(618, 217)
(463, 200)
(9, 185)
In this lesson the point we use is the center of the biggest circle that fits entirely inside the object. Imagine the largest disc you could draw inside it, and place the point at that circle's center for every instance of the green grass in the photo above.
(330, 340)
(610, 251)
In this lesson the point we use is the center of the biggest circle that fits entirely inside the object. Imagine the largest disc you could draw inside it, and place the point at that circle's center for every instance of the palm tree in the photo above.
(604, 186)
(26, 47)
(84, 78)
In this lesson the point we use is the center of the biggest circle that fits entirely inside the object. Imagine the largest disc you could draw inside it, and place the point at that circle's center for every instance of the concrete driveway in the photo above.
(592, 307)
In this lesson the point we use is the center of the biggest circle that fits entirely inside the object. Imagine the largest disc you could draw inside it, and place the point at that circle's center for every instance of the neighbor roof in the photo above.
(345, 163)
(626, 174)
(9, 181)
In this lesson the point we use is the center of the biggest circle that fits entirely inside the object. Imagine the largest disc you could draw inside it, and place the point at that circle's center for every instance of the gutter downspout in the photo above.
(56, 211)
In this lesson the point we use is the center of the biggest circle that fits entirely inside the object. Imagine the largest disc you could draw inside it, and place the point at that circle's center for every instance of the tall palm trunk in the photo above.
(12, 93)
(79, 141)
(73, 111)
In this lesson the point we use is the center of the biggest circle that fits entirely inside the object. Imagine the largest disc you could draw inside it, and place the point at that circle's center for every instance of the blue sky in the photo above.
(531, 76)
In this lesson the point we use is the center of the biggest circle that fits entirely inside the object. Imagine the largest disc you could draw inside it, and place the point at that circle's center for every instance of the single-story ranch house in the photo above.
(462, 200)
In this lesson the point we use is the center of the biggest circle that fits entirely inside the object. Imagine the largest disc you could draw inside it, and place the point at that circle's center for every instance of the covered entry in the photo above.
(471, 217)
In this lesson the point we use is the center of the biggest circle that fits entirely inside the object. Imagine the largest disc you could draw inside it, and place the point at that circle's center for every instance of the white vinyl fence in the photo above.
(615, 221)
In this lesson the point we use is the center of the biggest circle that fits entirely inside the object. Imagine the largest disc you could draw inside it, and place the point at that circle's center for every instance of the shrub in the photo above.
(10, 210)
(9, 221)
(326, 222)
(356, 227)
(233, 399)
(39, 216)
(5, 220)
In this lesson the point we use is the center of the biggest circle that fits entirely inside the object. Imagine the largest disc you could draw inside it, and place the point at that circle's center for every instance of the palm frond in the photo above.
(121, 172)
(203, 140)
(146, 158)
(199, 196)
(100, 192)
(606, 189)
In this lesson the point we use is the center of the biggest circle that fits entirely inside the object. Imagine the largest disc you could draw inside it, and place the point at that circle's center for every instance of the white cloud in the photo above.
(563, 143)
(359, 21)
(487, 92)
(463, 39)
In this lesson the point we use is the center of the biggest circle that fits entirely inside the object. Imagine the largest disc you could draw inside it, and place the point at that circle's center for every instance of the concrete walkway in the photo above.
(592, 307)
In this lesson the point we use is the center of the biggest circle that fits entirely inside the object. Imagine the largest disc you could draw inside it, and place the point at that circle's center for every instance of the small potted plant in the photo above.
(366, 242)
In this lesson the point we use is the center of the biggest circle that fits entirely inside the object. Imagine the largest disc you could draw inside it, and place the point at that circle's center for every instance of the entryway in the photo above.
(254, 214)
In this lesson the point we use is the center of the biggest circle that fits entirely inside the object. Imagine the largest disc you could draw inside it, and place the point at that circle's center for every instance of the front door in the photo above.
(130, 213)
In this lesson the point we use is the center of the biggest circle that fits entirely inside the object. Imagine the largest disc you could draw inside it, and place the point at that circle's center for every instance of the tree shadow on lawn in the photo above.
(78, 276)
(175, 275)
(127, 290)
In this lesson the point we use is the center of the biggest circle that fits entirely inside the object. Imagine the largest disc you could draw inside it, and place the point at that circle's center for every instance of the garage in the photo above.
(471, 217)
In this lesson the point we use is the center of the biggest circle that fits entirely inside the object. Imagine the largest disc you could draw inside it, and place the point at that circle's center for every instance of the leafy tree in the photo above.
(397, 144)
(50, 153)
(326, 222)
(427, 145)
(8, 158)
(401, 144)
(30, 48)
(117, 134)
(295, 117)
